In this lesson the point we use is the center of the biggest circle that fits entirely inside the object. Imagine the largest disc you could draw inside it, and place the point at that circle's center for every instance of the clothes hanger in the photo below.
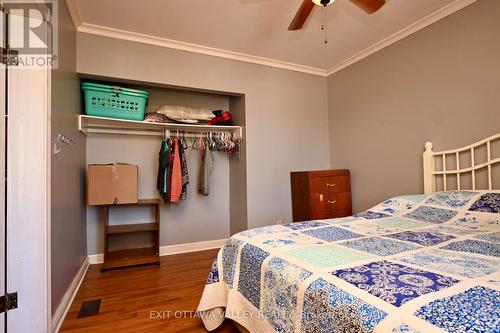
(223, 141)
(222, 138)
(216, 142)
(229, 141)
(185, 141)
(194, 145)
(201, 142)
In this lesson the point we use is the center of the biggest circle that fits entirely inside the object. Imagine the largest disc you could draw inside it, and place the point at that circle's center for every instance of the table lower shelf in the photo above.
(131, 257)
(131, 228)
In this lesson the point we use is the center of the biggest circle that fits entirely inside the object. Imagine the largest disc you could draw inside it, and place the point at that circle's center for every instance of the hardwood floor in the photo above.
(129, 295)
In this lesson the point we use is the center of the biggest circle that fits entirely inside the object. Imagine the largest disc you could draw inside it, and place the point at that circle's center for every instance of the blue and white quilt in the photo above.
(410, 264)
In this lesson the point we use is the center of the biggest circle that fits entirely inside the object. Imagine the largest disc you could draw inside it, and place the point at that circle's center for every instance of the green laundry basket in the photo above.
(114, 102)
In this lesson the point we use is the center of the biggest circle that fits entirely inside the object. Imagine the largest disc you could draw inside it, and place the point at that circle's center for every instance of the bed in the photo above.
(416, 263)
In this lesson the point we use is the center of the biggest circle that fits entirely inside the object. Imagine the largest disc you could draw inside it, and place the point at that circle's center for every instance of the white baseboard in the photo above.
(69, 295)
(191, 247)
(96, 258)
(172, 249)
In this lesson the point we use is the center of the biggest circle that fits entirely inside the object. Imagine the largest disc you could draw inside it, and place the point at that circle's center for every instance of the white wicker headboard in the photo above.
(450, 166)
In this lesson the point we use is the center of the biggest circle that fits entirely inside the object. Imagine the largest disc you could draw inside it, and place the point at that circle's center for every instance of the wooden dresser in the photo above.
(320, 194)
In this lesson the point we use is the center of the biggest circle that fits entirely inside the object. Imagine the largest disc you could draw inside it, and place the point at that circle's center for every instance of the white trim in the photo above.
(74, 12)
(101, 125)
(172, 249)
(191, 247)
(403, 33)
(96, 258)
(69, 295)
(201, 49)
(195, 48)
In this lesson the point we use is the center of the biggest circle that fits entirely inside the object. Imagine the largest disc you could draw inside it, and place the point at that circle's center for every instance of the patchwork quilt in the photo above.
(410, 264)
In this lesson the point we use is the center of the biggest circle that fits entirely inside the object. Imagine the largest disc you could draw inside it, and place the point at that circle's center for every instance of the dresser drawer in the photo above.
(341, 213)
(324, 204)
(330, 184)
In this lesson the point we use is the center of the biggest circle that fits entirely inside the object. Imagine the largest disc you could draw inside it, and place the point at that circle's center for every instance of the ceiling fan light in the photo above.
(323, 3)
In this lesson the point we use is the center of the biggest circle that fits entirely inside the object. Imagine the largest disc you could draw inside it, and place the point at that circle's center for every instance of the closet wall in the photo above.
(199, 217)
(286, 114)
(68, 211)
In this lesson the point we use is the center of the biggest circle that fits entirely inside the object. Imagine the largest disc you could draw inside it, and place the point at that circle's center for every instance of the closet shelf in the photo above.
(100, 125)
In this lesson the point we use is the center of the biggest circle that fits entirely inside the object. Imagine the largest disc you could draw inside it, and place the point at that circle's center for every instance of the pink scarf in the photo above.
(176, 187)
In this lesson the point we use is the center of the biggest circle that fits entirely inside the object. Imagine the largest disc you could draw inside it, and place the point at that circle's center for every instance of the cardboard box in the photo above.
(109, 184)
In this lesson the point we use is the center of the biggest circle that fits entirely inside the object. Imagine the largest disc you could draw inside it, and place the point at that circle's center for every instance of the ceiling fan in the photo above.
(369, 6)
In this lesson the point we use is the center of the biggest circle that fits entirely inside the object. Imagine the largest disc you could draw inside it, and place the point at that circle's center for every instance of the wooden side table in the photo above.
(132, 257)
(320, 194)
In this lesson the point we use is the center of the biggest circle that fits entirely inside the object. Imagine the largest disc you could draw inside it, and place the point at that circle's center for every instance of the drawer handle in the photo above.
(330, 185)
(332, 202)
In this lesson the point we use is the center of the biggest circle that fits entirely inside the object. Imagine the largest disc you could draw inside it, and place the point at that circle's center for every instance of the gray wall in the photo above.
(285, 113)
(238, 211)
(198, 218)
(68, 234)
(441, 84)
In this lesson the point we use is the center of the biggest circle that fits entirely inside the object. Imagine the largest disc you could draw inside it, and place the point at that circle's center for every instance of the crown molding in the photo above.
(403, 33)
(74, 13)
(195, 48)
(206, 50)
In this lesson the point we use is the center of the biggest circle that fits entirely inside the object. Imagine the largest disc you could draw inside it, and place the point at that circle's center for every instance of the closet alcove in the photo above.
(198, 218)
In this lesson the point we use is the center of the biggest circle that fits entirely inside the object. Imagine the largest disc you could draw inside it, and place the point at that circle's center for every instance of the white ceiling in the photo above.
(259, 27)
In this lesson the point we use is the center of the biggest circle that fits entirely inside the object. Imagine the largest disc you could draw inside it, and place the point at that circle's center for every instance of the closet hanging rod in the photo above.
(100, 125)
(173, 133)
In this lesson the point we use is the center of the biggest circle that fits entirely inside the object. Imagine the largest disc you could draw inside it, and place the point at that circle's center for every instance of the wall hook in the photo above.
(65, 139)
(55, 149)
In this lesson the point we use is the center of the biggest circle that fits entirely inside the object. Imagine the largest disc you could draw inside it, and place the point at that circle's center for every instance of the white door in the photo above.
(3, 174)
(28, 181)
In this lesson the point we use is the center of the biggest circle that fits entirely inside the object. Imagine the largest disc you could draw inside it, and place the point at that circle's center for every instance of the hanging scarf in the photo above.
(206, 167)
(184, 171)
(176, 182)
(168, 173)
(163, 169)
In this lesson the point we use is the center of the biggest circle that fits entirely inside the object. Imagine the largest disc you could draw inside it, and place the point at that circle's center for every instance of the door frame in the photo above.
(3, 151)
(28, 198)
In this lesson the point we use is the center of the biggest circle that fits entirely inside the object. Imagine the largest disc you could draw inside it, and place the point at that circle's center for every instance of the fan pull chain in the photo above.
(324, 27)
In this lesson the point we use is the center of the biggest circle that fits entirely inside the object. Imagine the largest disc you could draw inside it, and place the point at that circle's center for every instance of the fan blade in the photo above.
(302, 14)
(369, 6)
